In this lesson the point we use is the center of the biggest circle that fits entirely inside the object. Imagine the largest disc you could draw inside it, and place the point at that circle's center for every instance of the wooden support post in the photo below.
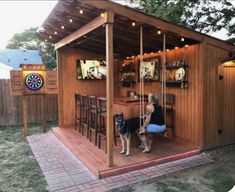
(25, 115)
(44, 124)
(109, 89)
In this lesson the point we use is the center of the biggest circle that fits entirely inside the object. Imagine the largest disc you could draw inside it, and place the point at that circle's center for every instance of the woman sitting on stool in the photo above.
(154, 121)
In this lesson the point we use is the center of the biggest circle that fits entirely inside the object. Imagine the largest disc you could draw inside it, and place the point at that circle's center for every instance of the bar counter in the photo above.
(129, 106)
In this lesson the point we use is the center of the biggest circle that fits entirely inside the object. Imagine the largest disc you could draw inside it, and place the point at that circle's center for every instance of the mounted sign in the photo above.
(32, 80)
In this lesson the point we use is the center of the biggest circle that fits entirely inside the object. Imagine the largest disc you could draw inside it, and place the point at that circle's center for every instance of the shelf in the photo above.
(174, 83)
(176, 67)
(133, 71)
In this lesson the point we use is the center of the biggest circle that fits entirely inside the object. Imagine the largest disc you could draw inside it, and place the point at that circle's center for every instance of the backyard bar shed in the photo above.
(190, 65)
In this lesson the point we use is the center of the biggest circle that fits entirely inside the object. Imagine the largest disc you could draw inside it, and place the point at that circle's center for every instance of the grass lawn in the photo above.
(218, 176)
(19, 169)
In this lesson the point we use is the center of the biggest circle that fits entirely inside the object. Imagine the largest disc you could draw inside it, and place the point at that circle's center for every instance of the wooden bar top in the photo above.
(125, 100)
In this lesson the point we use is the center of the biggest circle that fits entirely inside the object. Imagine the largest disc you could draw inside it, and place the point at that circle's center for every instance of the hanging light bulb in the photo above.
(159, 32)
(168, 50)
(102, 14)
(186, 45)
(46, 40)
(159, 51)
(70, 20)
(81, 11)
(55, 32)
(133, 24)
(176, 47)
(62, 26)
(50, 37)
(182, 39)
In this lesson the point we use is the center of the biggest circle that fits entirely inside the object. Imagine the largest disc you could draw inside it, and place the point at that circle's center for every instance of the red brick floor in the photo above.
(66, 173)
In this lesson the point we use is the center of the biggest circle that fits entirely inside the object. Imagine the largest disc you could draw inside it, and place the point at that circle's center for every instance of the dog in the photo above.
(125, 129)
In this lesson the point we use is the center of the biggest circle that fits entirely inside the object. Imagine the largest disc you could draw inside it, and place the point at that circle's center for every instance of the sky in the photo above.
(18, 15)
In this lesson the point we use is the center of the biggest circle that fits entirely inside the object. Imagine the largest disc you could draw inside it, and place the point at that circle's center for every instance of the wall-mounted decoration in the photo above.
(150, 69)
(33, 79)
(91, 69)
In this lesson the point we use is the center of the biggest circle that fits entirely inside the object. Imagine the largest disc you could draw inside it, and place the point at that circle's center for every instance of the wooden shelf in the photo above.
(176, 67)
(133, 71)
(174, 83)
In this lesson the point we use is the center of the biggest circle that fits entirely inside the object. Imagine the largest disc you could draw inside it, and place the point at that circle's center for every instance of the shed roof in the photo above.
(15, 57)
(126, 37)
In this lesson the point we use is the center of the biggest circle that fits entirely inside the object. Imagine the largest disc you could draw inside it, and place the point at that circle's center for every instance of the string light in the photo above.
(182, 39)
(168, 50)
(46, 40)
(133, 24)
(81, 11)
(127, 57)
(176, 47)
(186, 45)
(159, 32)
(159, 51)
(55, 32)
(62, 26)
(50, 37)
(70, 20)
(152, 53)
(102, 14)
(145, 53)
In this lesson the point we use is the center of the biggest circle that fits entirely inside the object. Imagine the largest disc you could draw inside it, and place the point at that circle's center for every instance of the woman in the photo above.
(154, 121)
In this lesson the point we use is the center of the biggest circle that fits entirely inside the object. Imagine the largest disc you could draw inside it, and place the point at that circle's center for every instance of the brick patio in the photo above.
(64, 172)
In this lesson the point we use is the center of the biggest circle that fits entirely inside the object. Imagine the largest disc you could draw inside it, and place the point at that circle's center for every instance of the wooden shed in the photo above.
(204, 106)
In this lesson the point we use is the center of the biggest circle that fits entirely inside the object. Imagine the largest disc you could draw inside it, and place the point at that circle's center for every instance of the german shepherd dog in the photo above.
(125, 129)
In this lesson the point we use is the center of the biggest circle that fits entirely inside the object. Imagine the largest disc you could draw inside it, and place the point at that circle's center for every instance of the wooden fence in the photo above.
(11, 112)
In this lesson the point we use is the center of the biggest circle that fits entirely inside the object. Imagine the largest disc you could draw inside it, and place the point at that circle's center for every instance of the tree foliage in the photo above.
(25, 40)
(202, 15)
(28, 40)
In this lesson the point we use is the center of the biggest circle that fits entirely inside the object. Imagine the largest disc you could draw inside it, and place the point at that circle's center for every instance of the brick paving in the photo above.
(66, 173)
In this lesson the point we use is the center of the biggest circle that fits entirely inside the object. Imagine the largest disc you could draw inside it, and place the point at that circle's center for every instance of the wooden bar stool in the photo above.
(78, 108)
(170, 112)
(93, 118)
(101, 131)
(84, 113)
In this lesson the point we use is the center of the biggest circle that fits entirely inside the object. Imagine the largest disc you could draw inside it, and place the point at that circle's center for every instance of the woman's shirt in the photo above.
(157, 115)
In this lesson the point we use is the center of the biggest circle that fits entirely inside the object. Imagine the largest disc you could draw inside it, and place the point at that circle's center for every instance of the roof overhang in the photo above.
(87, 30)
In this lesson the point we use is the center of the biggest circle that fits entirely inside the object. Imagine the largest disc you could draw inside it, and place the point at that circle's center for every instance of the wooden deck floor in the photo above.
(164, 150)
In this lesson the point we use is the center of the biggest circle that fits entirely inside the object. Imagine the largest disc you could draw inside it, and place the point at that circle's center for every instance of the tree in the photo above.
(202, 15)
(25, 40)
(28, 40)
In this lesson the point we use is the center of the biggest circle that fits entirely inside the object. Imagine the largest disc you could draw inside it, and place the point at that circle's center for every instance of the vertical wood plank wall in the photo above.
(69, 85)
(229, 106)
(11, 112)
(196, 107)
(219, 105)
(188, 101)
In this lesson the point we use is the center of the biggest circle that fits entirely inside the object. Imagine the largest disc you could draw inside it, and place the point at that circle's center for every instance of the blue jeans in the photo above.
(153, 128)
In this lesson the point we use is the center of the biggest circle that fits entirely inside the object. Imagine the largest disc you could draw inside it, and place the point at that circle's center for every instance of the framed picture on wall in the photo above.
(150, 69)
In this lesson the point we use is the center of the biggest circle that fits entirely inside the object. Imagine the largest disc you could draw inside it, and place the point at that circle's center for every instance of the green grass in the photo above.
(19, 169)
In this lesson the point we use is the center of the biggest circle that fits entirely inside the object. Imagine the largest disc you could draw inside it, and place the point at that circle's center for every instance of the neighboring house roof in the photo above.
(5, 71)
(15, 57)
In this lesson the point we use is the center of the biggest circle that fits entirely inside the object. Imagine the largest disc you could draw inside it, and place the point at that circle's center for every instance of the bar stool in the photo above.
(78, 113)
(101, 131)
(84, 113)
(93, 118)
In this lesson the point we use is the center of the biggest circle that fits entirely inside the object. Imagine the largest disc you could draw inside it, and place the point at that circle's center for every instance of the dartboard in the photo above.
(34, 81)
